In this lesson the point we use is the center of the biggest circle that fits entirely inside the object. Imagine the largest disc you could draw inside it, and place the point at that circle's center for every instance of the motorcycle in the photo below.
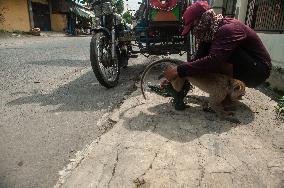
(157, 32)
(110, 45)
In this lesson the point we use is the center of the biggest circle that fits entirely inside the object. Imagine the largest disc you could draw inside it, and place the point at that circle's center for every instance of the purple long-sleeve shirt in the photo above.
(232, 34)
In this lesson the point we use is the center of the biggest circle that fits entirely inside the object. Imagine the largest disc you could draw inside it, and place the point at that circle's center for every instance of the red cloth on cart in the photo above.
(168, 5)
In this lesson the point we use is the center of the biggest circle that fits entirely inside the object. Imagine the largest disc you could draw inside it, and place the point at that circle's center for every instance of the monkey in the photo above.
(220, 87)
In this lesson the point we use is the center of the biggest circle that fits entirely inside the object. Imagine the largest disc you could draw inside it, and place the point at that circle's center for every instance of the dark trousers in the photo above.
(245, 67)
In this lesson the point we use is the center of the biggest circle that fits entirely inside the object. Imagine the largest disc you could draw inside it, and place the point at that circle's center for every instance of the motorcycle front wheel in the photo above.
(106, 69)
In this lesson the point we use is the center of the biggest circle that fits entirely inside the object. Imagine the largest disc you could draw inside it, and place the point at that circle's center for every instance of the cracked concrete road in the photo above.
(51, 106)
(152, 145)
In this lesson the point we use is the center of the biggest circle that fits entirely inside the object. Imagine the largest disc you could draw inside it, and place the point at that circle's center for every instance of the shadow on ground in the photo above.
(264, 88)
(84, 93)
(184, 126)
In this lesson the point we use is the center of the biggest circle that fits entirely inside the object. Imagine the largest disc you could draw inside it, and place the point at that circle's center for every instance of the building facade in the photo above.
(22, 15)
(15, 15)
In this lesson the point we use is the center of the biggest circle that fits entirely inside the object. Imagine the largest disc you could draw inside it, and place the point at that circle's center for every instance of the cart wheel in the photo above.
(105, 68)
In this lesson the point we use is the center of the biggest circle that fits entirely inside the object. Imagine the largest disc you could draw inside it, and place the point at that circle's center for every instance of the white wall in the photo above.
(241, 9)
(274, 43)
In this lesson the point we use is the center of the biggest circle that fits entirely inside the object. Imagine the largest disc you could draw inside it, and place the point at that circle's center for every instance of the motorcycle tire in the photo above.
(100, 43)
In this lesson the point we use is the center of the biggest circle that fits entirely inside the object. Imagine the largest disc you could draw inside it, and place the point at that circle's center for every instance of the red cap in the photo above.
(192, 13)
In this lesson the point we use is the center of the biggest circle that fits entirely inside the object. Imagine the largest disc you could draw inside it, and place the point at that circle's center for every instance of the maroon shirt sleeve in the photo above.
(227, 39)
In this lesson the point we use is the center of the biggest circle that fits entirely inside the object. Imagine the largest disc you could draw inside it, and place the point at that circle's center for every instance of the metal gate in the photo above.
(266, 15)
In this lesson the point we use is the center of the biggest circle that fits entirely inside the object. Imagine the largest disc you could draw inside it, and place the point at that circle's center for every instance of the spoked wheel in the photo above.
(153, 73)
(105, 68)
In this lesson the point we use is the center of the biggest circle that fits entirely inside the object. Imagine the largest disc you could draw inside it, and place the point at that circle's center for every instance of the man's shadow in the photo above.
(183, 126)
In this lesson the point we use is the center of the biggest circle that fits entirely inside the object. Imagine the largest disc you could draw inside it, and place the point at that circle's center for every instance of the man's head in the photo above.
(192, 14)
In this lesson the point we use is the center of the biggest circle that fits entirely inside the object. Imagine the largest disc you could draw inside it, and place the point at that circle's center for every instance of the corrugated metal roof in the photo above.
(82, 12)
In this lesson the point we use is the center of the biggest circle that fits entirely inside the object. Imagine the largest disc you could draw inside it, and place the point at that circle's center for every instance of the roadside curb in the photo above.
(107, 122)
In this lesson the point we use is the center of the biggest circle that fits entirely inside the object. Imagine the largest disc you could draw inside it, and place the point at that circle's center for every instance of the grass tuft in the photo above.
(280, 106)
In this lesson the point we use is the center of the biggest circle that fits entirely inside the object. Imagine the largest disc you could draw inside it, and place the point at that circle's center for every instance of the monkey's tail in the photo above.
(151, 65)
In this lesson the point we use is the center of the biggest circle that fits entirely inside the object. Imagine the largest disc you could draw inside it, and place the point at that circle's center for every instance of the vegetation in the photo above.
(280, 106)
(10, 32)
(127, 17)
(277, 91)
(276, 94)
(18, 32)
(118, 6)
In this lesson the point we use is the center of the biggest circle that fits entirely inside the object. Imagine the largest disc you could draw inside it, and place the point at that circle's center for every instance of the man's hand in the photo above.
(170, 73)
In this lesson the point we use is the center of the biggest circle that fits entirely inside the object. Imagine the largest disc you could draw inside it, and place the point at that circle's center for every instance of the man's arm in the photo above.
(202, 51)
(227, 39)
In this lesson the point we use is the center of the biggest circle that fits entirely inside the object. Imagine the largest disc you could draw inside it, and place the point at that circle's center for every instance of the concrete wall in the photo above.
(274, 43)
(58, 22)
(16, 15)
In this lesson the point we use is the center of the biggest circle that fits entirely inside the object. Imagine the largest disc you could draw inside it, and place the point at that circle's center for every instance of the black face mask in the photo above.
(202, 33)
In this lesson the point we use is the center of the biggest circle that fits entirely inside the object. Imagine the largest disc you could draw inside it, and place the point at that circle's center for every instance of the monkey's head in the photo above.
(237, 90)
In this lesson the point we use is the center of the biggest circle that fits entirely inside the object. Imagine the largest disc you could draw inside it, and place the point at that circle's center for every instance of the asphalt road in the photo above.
(51, 103)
